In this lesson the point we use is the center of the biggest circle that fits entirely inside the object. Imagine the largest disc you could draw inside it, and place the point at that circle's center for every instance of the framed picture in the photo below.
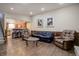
(49, 22)
(40, 23)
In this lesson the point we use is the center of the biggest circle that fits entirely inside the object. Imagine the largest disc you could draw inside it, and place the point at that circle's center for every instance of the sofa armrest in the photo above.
(68, 44)
(68, 40)
(58, 37)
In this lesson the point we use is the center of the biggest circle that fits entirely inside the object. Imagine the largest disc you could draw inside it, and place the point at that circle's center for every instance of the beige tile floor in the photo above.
(18, 47)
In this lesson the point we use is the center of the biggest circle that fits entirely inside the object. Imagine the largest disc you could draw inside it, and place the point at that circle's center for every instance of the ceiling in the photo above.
(26, 8)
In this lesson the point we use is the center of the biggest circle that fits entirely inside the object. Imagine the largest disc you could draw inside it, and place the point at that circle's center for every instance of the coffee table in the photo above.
(33, 39)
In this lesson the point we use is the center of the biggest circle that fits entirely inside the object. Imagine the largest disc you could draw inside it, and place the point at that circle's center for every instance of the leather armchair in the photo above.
(66, 40)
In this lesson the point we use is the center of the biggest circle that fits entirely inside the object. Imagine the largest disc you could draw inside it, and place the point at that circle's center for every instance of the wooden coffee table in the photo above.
(34, 39)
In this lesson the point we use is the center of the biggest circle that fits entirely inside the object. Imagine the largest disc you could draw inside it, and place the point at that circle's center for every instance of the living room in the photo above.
(40, 29)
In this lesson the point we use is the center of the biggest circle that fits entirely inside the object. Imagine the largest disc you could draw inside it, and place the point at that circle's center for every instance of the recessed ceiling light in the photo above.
(42, 9)
(11, 8)
(31, 13)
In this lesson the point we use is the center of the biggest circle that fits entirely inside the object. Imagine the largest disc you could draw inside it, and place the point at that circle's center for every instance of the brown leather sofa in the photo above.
(66, 40)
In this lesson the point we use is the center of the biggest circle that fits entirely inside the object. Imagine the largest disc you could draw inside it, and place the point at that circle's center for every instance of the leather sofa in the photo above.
(43, 36)
(66, 40)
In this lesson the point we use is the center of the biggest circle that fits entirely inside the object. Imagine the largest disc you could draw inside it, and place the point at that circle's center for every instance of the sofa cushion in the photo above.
(59, 40)
(45, 36)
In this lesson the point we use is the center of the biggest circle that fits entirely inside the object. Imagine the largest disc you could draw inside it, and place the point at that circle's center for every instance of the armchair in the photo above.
(66, 40)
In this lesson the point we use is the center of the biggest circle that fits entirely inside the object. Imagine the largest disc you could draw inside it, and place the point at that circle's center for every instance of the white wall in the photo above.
(64, 18)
